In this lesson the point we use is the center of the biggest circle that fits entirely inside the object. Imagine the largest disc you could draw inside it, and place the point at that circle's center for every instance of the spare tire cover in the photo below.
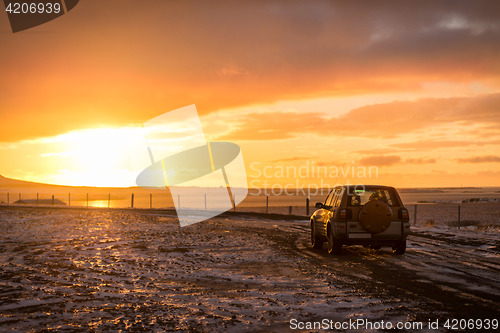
(375, 216)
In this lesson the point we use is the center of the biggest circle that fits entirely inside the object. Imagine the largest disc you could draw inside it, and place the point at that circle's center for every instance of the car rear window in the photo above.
(361, 197)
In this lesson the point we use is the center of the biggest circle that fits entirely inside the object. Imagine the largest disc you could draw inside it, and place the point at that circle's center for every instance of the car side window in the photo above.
(329, 198)
(334, 198)
(338, 198)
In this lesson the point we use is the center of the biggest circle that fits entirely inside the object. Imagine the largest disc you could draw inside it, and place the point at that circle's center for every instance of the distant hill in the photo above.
(9, 182)
(6, 183)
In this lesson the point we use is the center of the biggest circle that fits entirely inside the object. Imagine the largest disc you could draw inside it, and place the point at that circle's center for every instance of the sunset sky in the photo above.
(412, 88)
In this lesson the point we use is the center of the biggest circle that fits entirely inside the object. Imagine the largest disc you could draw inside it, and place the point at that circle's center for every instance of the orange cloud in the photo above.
(436, 144)
(291, 159)
(379, 151)
(420, 161)
(388, 160)
(272, 126)
(479, 159)
(386, 120)
(331, 163)
(380, 160)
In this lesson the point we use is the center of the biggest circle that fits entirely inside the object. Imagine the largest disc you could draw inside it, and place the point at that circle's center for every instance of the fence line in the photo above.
(103, 200)
(459, 215)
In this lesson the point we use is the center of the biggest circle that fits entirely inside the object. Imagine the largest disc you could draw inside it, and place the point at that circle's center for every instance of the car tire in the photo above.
(316, 242)
(399, 247)
(334, 245)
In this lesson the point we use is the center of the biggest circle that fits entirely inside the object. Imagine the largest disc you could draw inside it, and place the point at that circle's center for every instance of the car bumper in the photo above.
(353, 233)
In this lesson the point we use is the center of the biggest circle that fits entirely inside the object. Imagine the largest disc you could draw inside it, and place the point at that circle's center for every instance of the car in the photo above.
(369, 215)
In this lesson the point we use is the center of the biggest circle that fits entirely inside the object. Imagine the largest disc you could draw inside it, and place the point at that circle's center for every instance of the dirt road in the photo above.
(111, 270)
(446, 277)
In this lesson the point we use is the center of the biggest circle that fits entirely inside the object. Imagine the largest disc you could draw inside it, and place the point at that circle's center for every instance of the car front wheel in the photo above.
(334, 245)
(399, 247)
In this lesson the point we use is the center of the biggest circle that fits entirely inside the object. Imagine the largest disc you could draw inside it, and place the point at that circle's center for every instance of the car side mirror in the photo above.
(318, 205)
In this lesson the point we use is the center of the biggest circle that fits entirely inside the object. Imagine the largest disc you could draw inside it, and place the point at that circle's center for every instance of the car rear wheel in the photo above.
(334, 245)
(399, 247)
(316, 242)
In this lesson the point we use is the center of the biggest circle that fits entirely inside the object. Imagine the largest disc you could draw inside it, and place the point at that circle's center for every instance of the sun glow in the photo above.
(91, 157)
(100, 149)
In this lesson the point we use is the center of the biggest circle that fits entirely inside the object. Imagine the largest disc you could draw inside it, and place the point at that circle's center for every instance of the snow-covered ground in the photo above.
(102, 270)
(470, 233)
(65, 269)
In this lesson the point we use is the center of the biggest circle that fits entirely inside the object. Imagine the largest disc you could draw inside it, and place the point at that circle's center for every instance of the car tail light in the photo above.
(403, 214)
(345, 214)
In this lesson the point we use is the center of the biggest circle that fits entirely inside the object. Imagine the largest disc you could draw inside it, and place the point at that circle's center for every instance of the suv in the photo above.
(369, 215)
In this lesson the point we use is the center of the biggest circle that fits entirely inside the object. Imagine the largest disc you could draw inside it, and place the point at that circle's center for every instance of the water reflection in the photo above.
(99, 203)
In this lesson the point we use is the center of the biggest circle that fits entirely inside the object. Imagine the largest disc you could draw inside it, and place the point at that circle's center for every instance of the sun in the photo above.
(94, 157)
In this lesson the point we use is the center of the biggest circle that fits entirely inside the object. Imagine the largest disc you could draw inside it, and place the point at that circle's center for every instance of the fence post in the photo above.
(7, 197)
(132, 201)
(19, 196)
(150, 200)
(289, 210)
(205, 201)
(307, 206)
(52, 200)
(415, 216)
(267, 204)
(37, 198)
(109, 199)
(458, 216)
(234, 202)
